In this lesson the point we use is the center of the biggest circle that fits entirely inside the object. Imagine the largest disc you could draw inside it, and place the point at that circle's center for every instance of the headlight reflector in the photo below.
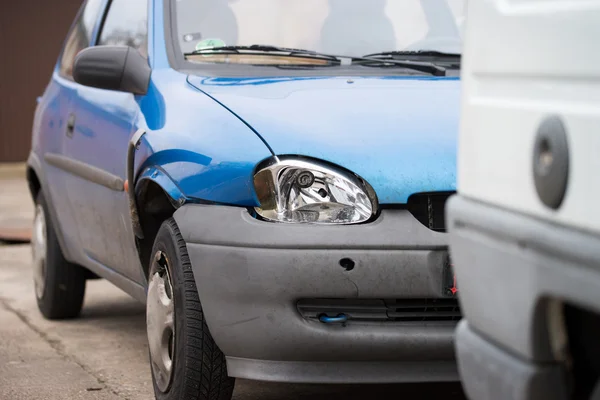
(307, 191)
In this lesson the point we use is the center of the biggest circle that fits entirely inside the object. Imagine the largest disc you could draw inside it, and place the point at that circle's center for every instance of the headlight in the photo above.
(308, 191)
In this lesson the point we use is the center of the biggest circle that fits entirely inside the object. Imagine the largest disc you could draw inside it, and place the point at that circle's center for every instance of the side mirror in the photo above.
(119, 68)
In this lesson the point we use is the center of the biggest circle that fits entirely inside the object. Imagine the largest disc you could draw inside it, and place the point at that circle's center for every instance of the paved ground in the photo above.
(16, 211)
(103, 354)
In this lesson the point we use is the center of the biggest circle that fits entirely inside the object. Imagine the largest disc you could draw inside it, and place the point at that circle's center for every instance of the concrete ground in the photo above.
(103, 354)
(16, 212)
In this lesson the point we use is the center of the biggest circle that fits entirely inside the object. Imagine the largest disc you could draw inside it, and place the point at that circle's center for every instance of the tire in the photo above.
(59, 285)
(185, 361)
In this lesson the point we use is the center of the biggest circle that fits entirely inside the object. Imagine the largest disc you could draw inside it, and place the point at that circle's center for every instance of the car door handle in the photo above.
(70, 125)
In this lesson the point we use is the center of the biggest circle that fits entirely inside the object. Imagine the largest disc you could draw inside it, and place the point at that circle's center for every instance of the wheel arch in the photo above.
(34, 175)
(157, 198)
(33, 182)
(36, 182)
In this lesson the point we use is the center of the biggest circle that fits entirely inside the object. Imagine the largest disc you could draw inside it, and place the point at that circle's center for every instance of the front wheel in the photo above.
(185, 361)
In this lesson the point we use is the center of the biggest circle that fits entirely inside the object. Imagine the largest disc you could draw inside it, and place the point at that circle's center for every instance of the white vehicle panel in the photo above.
(516, 75)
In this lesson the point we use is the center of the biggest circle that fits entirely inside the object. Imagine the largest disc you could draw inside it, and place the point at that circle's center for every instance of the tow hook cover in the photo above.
(551, 162)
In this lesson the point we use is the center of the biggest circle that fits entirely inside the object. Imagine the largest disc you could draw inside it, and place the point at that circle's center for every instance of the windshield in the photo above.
(351, 28)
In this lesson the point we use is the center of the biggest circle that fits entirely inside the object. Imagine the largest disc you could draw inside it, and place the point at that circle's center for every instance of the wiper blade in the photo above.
(431, 56)
(263, 48)
(300, 66)
(426, 53)
(422, 66)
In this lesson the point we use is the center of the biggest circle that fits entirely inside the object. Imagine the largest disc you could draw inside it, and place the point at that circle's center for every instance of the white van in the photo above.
(525, 225)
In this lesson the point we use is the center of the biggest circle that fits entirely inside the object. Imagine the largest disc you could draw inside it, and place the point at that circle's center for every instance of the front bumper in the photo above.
(251, 274)
(512, 270)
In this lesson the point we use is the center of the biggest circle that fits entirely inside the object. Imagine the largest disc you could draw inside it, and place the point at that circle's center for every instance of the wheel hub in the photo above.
(160, 321)
(38, 251)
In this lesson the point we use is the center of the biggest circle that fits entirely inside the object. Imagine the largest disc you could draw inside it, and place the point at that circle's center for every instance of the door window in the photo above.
(126, 24)
(79, 37)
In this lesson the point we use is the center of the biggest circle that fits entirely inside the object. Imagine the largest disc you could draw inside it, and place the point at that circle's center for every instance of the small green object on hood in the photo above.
(209, 44)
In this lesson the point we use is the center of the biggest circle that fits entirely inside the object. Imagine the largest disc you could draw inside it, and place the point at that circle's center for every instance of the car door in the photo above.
(103, 122)
(52, 123)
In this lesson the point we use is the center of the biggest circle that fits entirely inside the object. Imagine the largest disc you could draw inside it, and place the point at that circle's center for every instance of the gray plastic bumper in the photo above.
(250, 274)
(508, 266)
(490, 372)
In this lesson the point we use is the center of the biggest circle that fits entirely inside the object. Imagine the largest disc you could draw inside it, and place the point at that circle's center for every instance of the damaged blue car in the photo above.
(268, 177)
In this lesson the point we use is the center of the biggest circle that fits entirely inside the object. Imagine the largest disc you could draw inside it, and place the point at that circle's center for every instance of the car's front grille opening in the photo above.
(424, 310)
(390, 310)
(429, 209)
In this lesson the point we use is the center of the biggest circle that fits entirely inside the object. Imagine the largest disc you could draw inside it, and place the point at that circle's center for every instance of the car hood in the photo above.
(397, 133)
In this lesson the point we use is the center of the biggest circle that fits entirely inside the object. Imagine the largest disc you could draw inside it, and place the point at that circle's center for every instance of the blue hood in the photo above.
(398, 133)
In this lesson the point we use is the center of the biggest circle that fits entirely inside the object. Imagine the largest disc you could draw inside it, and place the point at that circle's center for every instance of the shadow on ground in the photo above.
(115, 309)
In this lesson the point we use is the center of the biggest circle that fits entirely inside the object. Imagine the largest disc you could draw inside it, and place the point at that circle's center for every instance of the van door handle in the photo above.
(70, 125)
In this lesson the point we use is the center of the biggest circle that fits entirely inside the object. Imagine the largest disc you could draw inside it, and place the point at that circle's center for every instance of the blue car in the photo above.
(268, 177)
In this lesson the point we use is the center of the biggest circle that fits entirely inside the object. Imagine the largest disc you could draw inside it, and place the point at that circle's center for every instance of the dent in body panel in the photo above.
(158, 176)
(205, 151)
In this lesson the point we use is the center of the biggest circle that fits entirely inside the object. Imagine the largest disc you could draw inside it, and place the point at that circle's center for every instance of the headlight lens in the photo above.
(307, 191)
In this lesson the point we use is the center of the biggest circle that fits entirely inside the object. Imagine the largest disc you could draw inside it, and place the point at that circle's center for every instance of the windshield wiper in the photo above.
(420, 53)
(431, 56)
(422, 66)
(262, 49)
